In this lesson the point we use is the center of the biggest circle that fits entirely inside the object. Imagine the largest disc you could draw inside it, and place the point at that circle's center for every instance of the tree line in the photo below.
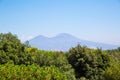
(20, 61)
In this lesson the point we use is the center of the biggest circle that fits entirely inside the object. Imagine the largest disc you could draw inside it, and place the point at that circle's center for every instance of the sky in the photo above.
(94, 20)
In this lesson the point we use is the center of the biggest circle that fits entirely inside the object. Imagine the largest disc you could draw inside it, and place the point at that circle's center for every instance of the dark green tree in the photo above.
(88, 63)
(12, 49)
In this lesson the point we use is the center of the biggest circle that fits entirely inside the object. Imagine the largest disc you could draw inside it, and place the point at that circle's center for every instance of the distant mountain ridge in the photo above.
(63, 42)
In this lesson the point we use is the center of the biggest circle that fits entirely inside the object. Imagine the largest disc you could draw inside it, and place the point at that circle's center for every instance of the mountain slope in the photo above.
(64, 42)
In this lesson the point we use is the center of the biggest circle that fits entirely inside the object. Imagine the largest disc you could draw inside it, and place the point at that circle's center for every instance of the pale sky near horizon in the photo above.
(94, 20)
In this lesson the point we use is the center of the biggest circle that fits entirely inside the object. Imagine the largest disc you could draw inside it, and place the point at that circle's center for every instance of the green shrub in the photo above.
(31, 72)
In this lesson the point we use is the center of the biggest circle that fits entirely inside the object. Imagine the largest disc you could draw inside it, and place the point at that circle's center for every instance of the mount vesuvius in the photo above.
(64, 41)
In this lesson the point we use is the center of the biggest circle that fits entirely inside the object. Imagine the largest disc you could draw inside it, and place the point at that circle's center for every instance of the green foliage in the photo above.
(115, 54)
(3, 57)
(31, 72)
(82, 78)
(10, 43)
(48, 58)
(88, 63)
(11, 49)
(29, 63)
(112, 72)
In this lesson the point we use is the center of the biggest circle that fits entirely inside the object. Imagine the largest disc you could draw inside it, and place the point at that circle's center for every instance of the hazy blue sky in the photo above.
(95, 20)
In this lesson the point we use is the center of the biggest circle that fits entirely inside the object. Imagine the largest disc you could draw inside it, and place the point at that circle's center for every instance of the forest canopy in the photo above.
(20, 61)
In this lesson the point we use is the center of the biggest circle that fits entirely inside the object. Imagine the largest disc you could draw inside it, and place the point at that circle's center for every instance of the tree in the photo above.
(51, 58)
(12, 49)
(88, 63)
(112, 72)
(27, 44)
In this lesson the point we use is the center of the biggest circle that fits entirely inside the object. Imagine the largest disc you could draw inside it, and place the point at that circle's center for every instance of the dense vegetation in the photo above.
(22, 62)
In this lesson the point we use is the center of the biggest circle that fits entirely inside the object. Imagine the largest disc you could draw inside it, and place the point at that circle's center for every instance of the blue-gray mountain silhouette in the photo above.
(64, 41)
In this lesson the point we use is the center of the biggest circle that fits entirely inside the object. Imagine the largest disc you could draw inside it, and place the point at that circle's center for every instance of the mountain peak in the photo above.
(41, 36)
(64, 34)
(64, 42)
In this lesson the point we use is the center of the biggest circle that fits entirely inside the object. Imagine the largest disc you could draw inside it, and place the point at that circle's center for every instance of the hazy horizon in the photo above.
(92, 20)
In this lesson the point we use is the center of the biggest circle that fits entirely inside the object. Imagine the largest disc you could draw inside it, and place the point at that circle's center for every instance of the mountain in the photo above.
(63, 42)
